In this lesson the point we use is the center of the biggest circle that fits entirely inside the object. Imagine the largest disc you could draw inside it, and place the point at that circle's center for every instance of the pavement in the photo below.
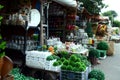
(111, 64)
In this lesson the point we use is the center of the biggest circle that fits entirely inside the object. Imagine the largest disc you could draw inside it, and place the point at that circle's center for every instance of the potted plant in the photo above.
(44, 47)
(2, 52)
(92, 79)
(93, 56)
(2, 45)
(73, 68)
(102, 48)
(97, 74)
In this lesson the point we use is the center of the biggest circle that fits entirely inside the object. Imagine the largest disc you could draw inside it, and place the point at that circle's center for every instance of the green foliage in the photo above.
(75, 69)
(1, 6)
(60, 62)
(66, 62)
(64, 54)
(19, 76)
(75, 62)
(92, 79)
(73, 58)
(86, 62)
(97, 74)
(52, 57)
(56, 63)
(78, 64)
(63, 67)
(102, 45)
(93, 6)
(63, 59)
(88, 29)
(93, 53)
(110, 13)
(69, 67)
(1, 17)
(72, 63)
(55, 48)
(116, 23)
(56, 57)
(2, 47)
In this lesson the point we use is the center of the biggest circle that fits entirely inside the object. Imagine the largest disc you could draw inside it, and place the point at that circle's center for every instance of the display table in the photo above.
(36, 60)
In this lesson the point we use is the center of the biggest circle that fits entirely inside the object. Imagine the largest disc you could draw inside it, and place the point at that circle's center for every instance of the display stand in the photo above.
(17, 38)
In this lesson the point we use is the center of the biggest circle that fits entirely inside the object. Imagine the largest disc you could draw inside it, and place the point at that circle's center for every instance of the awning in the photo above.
(71, 3)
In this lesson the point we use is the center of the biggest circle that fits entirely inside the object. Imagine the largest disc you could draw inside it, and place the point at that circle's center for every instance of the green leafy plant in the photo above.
(74, 63)
(92, 79)
(66, 62)
(19, 76)
(73, 58)
(93, 53)
(2, 43)
(56, 63)
(52, 57)
(64, 54)
(63, 59)
(97, 74)
(2, 47)
(69, 67)
(102, 45)
(63, 67)
(1, 17)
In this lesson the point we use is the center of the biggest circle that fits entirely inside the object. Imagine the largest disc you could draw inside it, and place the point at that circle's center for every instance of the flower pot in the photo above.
(1, 64)
(93, 60)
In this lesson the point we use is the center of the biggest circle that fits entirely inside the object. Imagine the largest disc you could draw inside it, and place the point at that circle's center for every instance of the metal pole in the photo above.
(41, 24)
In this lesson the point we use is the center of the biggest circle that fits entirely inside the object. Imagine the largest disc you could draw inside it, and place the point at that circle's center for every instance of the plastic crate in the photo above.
(70, 75)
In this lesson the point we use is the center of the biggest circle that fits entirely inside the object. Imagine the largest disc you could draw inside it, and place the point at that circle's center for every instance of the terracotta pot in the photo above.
(1, 64)
(7, 67)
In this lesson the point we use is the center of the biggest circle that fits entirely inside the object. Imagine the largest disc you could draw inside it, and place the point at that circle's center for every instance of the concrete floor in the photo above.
(111, 65)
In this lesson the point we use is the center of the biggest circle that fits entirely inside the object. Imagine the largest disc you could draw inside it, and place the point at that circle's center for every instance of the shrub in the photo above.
(97, 74)
(93, 53)
(102, 45)
(92, 79)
